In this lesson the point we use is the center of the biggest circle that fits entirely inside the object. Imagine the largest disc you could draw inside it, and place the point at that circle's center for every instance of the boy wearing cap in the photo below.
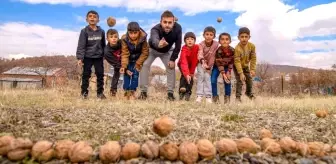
(187, 65)
(134, 51)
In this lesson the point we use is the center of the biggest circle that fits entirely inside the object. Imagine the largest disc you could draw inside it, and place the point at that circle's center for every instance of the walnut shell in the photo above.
(110, 152)
(226, 147)
(43, 151)
(111, 21)
(130, 150)
(188, 152)
(5, 144)
(265, 133)
(62, 148)
(163, 126)
(18, 154)
(322, 113)
(270, 146)
(169, 151)
(287, 145)
(245, 144)
(316, 148)
(206, 149)
(333, 149)
(150, 149)
(302, 148)
(80, 152)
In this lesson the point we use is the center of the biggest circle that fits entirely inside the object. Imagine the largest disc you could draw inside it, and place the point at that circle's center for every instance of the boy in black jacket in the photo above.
(90, 51)
(112, 54)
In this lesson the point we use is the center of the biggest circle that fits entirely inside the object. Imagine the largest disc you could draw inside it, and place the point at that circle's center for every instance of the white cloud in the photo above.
(18, 56)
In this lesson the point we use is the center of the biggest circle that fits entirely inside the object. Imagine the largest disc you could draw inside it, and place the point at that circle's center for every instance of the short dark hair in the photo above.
(244, 30)
(210, 29)
(112, 32)
(92, 12)
(224, 34)
(133, 26)
(167, 13)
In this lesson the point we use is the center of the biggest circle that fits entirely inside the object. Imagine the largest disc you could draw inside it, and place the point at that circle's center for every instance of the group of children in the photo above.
(211, 58)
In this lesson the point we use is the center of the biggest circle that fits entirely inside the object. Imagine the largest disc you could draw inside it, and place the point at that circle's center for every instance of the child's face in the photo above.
(225, 41)
(208, 36)
(133, 35)
(244, 38)
(112, 39)
(190, 41)
(92, 19)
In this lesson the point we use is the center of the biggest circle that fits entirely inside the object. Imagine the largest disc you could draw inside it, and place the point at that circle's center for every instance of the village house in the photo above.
(26, 77)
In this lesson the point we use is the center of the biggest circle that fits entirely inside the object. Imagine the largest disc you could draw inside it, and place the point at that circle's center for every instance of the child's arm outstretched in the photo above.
(237, 64)
(253, 63)
(143, 56)
(81, 47)
(124, 56)
(184, 64)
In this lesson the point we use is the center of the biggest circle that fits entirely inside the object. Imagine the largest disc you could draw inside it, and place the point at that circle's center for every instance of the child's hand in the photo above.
(188, 78)
(137, 69)
(122, 70)
(252, 73)
(130, 73)
(226, 79)
(171, 64)
(79, 62)
(228, 75)
(242, 77)
(204, 65)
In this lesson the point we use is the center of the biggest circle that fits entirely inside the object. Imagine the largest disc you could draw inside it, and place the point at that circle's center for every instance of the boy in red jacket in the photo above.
(187, 65)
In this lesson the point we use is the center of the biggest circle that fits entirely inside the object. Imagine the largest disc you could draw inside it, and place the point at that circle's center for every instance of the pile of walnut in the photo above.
(16, 149)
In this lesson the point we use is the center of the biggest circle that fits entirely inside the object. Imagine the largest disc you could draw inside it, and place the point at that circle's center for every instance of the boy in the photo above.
(245, 61)
(90, 51)
(134, 52)
(206, 57)
(187, 65)
(223, 65)
(112, 54)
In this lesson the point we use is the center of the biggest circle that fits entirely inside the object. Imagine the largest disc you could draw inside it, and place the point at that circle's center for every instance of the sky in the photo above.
(286, 32)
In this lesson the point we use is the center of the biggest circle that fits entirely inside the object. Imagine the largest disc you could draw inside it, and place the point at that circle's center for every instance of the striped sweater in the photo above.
(224, 58)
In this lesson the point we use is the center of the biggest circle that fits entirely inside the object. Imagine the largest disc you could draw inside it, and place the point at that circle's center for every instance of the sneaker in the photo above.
(113, 92)
(199, 99)
(132, 95)
(181, 96)
(84, 95)
(238, 99)
(226, 99)
(127, 95)
(171, 96)
(187, 97)
(208, 100)
(251, 97)
(143, 96)
(215, 99)
(101, 96)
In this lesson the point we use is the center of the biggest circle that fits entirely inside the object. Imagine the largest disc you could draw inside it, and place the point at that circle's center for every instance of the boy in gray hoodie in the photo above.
(90, 52)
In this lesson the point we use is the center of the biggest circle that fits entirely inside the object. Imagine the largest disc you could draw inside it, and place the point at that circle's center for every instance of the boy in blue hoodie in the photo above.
(134, 51)
(90, 52)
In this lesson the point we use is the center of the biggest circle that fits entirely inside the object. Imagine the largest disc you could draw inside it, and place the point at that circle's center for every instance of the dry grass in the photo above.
(60, 113)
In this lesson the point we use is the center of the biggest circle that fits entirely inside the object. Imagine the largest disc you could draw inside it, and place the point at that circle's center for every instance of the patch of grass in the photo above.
(232, 117)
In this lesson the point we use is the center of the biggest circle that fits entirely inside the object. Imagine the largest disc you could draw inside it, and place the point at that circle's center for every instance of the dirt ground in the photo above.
(55, 114)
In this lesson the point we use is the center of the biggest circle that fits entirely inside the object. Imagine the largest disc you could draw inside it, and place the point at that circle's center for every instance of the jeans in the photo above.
(214, 76)
(131, 82)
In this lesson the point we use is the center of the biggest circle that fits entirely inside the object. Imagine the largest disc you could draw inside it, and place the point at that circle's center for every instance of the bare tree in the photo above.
(264, 73)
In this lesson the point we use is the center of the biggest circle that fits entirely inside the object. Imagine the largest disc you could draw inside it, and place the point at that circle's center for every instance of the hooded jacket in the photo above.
(91, 43)
(188, 60)
(134, 51)
(112, 54)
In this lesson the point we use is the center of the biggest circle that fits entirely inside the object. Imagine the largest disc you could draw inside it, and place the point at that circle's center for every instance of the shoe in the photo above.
(101, 96)
(183, 90)
(132, 95)
(215, 99)
(143, 96)
(199, 99)
(208, 100)
(187, 97)
(127, 95)
(251, 97)
(238, 99)
(113, 92)
(181, 96)
(226, 99)
(171, 96)
(84, 95)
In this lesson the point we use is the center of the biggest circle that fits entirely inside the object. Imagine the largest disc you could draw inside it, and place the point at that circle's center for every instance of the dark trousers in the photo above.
(239, 84)
(184, 84)
(98, 64)
(214, 76)
(131, 82)
(115, 79)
